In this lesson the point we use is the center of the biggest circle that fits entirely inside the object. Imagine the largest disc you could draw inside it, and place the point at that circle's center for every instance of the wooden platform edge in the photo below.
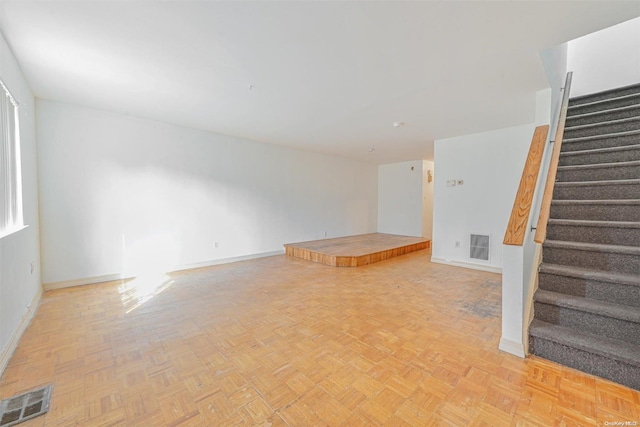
(354, 261)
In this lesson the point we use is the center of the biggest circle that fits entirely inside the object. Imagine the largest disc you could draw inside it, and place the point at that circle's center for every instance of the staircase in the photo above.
(587, 306)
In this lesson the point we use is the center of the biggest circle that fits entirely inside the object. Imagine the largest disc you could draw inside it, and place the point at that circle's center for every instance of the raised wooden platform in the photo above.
(354, 251)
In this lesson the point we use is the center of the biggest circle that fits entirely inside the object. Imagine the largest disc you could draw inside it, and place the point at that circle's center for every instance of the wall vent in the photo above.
(25, 406)
(479, 247)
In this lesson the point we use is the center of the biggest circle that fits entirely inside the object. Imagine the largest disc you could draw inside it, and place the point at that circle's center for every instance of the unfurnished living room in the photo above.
(319, 213)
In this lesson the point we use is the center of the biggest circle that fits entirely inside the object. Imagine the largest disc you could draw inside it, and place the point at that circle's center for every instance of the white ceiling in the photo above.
(330, 77)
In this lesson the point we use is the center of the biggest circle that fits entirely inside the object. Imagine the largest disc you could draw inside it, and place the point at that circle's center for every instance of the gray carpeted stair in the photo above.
(599, 172)
(604, 104)
(597, 210)
(625, 233)
(617, 288)
(613, 126)
(605, 95)
(590, 316)
(587, 306)
(616, 258)
(625, 112)
(625, 153)
(596, 190)
(613, 359)
(600, 141)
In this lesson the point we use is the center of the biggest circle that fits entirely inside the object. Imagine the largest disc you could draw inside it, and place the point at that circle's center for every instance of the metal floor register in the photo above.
(25, 406)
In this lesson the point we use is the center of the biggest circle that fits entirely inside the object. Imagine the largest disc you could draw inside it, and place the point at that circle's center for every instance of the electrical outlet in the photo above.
(457, 243)
(325, 234)
(216, 244)
(460, 182)
(451, 183)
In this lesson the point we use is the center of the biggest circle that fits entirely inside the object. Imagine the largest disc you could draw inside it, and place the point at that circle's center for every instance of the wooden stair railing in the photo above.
(517, 226)
(545, 207)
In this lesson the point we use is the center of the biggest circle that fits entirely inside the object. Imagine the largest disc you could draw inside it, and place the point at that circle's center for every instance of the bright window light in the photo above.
(10, 175)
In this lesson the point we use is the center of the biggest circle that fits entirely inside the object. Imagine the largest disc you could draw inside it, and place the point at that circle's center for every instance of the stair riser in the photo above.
(597, 192)
(602, 129)
(608, 95)
(596, 212)
(622, 373)
(605, 235)
(603, 116)
(621, 263)
(627, 155)
(601, 106)
(590, 323)
(589, 288)
(599, 174)
(592, 144)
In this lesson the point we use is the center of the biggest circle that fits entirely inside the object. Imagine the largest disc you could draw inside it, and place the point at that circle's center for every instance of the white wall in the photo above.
(18, 285)
(427, 200)
(400, 197)
(606, 59)
(519, 263)
(555, 66)
(490, 164)
(122, 195)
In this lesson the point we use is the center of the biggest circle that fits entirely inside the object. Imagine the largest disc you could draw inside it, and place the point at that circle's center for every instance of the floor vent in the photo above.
(479, 247)
(25, 406)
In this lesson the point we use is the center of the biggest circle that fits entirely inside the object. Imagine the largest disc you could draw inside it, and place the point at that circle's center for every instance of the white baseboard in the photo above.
(511, 347)
(227, 260)
(84, 281)
(7, 352)
(120, 276)
(470, 265)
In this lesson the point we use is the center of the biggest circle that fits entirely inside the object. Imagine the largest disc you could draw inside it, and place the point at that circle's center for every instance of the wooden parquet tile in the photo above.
(286, 342)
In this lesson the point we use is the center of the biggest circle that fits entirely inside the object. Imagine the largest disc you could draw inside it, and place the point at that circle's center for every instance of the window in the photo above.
(10, 176)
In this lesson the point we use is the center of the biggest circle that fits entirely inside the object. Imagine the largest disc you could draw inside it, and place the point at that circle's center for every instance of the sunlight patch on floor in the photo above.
(136, 292)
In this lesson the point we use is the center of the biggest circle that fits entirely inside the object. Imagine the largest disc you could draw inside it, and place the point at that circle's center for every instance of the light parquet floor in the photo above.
(286, 342)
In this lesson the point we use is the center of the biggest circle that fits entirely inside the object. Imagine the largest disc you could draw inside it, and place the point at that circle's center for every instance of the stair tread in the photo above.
(594, 223)
(614, 349)
(600, 150)
(594, 247)
(600, 112)
(601, 166)
(596, 202)
(603, 136)
(597, 183)
(590, 274)
(602, 101)
(602, 308)
(606, 92)
(608, 122)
